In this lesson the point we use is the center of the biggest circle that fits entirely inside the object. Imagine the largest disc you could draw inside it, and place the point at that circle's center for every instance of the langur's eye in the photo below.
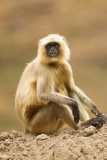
(48, 46)
(57, 45)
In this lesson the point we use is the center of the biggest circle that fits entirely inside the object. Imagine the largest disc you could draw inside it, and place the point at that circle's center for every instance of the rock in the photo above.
(4, 156)
(7, 142)
(64, 145)
(2, 147)
(100, 147)
(25, 153)
(3, 136)
(42, 137)
(89, 131)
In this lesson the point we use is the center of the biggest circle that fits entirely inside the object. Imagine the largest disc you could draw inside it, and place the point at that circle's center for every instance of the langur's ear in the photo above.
(65, 40)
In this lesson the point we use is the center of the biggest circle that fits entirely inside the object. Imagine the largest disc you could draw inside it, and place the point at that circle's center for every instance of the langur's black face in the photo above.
(52, 49)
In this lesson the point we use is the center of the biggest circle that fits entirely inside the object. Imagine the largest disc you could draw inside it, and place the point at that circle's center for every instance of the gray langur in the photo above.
(47, 97)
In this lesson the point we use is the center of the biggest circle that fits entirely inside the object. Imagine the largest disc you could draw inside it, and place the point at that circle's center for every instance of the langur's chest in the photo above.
(60, 79)
(60, 84)
(60, 88)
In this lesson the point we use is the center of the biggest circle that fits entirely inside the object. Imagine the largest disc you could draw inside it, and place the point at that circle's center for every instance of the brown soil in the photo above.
(66, 144)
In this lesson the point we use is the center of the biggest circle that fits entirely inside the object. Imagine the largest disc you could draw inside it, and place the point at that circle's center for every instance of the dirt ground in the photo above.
(66, 144)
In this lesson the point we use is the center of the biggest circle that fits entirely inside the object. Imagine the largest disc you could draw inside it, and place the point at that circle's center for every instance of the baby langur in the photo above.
(47, 97)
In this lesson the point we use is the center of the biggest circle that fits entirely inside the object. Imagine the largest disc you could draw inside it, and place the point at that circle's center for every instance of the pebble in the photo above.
(2, 147)
(100, 147)
(27, 144)
(25, 152)
(89, 131)
(4, 156)
(42, 137)
(86, 149)
(7, 142)
(3, 136)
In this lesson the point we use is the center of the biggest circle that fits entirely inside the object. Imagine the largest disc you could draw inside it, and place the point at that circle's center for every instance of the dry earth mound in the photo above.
(66, 144)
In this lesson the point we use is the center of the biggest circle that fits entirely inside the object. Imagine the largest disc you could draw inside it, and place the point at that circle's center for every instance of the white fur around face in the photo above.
(55, 38)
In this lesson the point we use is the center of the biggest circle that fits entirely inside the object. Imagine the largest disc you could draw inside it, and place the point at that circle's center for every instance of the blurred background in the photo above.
(23, 23)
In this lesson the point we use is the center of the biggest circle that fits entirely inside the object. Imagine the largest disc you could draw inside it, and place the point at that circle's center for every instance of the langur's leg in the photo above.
(47, 119)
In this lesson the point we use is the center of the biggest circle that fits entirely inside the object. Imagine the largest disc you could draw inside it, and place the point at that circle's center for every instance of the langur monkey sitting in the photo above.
(47, 97)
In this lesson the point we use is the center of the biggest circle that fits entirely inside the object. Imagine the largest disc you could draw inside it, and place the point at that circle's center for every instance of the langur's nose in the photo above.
(52, 49)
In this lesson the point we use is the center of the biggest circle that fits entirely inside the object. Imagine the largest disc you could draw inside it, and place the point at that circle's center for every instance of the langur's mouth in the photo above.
(53, 55)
